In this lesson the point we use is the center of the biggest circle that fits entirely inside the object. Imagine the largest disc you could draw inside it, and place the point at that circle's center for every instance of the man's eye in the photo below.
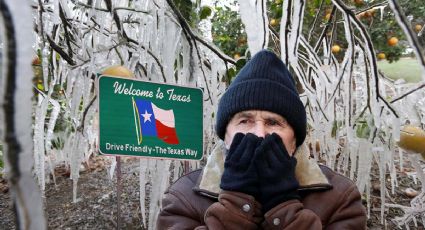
(273, 123)
(243, 121)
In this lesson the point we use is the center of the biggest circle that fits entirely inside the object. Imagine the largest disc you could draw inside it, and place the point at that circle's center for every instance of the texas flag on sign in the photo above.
(153, 121)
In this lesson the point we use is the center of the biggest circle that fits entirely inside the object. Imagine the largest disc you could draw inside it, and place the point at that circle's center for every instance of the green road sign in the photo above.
(138, 118)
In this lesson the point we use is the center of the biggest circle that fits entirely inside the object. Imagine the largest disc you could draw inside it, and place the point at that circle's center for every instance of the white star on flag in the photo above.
(146, 116)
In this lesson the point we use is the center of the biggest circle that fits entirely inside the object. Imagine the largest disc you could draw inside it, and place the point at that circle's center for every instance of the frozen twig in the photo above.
(416, 88)
(60, 51)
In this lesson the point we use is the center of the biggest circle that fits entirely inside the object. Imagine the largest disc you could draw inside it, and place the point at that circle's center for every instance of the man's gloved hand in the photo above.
(240, 174)
(276, 172)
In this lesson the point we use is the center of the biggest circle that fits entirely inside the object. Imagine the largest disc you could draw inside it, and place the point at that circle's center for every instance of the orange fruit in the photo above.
(40, 86)
(236, 56)
(418, 28)
(328, 16)
(368, 14)
(241, 41)
(118, 71)
(381, 56)
(273, 22)
(36, 61)
(336, 49)
(392, 41)
(412, 138)
(358, 2)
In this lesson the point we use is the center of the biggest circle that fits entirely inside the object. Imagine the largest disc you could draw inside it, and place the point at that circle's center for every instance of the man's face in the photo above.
(260, 123)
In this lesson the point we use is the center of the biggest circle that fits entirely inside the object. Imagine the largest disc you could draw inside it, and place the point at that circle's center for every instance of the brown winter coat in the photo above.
(328, 201)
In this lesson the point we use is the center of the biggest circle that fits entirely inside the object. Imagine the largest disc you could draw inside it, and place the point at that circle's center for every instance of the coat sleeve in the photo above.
(234, 210)
(227, 213)
(177, 213)
(348, 213)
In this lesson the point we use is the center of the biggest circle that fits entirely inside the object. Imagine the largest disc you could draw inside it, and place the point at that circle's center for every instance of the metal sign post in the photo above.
(119, 188)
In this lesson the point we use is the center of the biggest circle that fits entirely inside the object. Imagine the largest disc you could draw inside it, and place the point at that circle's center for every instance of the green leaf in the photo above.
(205, 12)
(240, 63)
(363, 130)
(231, 73)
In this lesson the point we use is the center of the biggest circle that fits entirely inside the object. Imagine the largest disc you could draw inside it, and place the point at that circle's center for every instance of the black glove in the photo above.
(276, 173)
(240, 174)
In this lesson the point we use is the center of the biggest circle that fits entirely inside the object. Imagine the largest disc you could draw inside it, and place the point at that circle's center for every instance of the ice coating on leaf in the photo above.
(254, 17)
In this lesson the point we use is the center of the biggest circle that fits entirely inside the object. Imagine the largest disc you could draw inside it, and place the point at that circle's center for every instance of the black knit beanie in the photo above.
(264, 83)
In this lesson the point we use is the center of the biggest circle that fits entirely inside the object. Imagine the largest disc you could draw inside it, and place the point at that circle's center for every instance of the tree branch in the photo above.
(408, 93)
(60, 51)
(186, 27)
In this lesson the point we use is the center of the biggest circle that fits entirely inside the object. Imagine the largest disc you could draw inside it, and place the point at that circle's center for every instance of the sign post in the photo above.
(138, 118)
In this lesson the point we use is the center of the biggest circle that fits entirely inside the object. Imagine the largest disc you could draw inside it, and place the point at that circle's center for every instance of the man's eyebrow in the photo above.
(278, 118)
(244, 115)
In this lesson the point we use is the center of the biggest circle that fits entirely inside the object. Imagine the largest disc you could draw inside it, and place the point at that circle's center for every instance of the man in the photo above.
(261, 178)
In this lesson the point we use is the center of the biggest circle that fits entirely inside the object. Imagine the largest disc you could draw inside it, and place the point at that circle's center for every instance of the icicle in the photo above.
(52, 122)
(142, 183)
(160, 183)
(112, 168)
(169, 53)
(380, 159)
(45, 64)
(354, 155)
(76, 159)
(396, 128)
(400, 157)
(368, 200)
(39, 145)
(393, 173)
(381, 10)
(364, 165)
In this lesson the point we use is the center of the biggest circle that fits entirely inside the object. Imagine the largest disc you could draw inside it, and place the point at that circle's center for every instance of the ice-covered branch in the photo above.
(189, 31)
(415, 89)
(78, 3)
(28, 206)
(254, 18)
(316, 20)
(60, 51)
(189, 35)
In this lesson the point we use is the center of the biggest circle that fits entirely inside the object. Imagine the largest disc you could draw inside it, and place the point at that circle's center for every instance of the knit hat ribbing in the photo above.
(264, 83)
